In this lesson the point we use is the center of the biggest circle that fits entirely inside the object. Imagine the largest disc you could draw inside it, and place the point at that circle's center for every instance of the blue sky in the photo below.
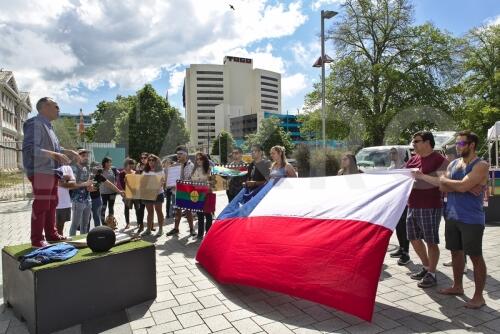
(83, 52)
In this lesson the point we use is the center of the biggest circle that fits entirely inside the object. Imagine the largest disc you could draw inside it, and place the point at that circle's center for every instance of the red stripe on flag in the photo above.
(184, 187)
(332, 262)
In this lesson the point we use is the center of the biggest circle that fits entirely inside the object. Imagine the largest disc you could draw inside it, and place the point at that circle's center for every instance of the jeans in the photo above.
(202, 226)
(108, 200)
(169, 196)
(81, 217)
(96, 210)
(43, 214)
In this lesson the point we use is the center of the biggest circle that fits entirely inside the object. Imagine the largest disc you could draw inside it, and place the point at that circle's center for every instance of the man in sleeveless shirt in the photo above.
(465, 182)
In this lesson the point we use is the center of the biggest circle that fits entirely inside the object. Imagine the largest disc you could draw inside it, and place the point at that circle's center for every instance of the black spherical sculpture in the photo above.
(101, 239)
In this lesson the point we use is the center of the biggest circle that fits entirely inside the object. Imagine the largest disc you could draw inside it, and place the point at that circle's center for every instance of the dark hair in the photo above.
(206, 163)
(41, 102)
(471, 137)
(258, 146)
(106, 160)
(128, 161)
(180, 148)
(158, 167)
(144, 154)
(426, 135)
(238, 149)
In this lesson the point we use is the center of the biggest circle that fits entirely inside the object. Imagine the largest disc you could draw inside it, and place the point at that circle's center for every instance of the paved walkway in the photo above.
(190, 302)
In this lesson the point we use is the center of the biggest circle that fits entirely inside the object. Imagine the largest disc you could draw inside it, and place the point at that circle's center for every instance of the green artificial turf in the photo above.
(84, 254)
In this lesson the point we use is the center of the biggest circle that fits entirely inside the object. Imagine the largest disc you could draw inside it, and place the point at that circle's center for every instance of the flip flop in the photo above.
(474, 307)
(450, 293)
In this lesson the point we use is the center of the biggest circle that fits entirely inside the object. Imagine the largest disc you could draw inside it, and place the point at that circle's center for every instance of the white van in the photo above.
(378, 157)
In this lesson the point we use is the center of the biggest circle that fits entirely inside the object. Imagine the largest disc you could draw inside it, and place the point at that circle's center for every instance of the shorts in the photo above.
(464, 237)
(159, 200)
(63, 215)
(423, 224)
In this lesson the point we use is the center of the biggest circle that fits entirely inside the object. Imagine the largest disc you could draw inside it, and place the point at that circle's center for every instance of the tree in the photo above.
(312, 125)
(269, 134)
(480, 85)
(65, 130)
(105, 117)
(151, 125)
(385, 65)
(226, 145)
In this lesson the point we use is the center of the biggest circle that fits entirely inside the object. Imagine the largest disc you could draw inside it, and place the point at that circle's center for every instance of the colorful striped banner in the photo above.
(191, 195)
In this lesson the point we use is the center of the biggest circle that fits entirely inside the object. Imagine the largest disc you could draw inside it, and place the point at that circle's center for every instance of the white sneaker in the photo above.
(448, 264)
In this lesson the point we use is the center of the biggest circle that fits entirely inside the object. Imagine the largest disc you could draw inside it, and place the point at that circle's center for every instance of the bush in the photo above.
(317, 162)
(302, 154)
(324, 162)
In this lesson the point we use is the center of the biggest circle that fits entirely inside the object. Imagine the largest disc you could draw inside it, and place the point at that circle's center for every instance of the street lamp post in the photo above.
(325, 14)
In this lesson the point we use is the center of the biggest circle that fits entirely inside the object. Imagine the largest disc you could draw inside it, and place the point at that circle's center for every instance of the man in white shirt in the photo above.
(63, 209)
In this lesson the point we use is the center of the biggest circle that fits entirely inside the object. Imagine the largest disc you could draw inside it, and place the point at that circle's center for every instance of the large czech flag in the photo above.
(323, 239)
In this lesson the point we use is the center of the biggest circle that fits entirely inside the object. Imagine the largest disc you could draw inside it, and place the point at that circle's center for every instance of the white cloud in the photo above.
(493, 21)
(305, 56)
(293, 84)
(176, 81)
(319, 4)
(58, 45)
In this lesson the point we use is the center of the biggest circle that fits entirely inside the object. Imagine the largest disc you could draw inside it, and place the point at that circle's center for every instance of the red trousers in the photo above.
(43, 214)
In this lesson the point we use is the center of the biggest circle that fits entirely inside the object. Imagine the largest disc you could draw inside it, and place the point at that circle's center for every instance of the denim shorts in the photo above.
(423, 224)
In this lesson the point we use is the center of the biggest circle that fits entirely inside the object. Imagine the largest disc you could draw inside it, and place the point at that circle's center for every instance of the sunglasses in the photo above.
(462, 143)
(417, 141)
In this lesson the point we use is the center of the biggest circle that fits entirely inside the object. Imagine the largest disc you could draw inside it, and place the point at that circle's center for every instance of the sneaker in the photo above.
(58, 238)
(404, 259)
(147, 232)
(40, 244)
(192, 232)
(465, 268)
(397, 253)
(428, 281)
(199, 237)
(141, 228)
(448, 264)
(173, 231)
(159, 233)
(419, 275)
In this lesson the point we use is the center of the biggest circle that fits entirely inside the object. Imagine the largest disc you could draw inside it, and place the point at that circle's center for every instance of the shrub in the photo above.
(324, 162)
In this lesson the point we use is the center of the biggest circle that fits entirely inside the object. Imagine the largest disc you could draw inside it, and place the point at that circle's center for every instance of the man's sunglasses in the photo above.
(462, 143)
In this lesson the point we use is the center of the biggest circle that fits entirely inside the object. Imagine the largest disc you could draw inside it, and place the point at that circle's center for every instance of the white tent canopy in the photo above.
(494, 132)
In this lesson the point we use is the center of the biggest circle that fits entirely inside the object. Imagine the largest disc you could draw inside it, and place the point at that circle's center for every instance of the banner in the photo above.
(173, 174)
(145, 187)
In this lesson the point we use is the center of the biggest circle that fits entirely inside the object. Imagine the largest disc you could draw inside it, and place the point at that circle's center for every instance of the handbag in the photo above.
(209, 206)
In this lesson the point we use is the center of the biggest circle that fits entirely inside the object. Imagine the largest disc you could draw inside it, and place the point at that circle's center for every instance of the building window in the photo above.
(269, 108)
(213, 98)
(209, 72)
(206, 117)
(269, 96)
(268, 84)
(206, 111)
(269, 78)
(270, 102)
(206, 124)
(209, 92)
(210, 85)
(208, 104)
(210, 79)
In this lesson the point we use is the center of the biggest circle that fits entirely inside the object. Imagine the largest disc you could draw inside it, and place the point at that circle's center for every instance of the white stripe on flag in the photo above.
(374, 198)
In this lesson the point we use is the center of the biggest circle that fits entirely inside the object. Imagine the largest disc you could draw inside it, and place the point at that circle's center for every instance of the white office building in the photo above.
(215, 94)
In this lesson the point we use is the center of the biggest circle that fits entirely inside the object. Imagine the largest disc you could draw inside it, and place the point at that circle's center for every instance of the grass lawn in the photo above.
(10, 179)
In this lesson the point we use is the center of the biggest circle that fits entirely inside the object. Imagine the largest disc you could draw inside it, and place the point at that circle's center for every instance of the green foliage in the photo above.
(105, 117)
(150, 125)
(480, 86)
(269, 134)
(385, 65)
(311, 128)
(226, 145)
(317, 162)
(65, 130)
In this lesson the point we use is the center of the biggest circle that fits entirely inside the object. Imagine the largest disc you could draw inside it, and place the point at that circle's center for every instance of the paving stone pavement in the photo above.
(189, 301)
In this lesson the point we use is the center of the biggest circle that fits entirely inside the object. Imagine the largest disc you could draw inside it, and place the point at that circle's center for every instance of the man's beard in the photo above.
(465, 153)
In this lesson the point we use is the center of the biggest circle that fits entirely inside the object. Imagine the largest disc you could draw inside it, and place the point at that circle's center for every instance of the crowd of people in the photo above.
(67, 188)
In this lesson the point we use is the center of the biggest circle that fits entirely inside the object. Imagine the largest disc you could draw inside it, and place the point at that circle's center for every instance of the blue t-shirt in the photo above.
(80, 195)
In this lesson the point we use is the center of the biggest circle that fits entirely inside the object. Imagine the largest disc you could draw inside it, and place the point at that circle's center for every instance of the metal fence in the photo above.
(14, 185)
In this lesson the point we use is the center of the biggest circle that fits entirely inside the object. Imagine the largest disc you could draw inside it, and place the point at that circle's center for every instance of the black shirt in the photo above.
(259, 171)
(98, 179)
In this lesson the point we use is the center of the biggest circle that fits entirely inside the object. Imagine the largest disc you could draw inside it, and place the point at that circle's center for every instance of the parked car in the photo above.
(378, 157)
